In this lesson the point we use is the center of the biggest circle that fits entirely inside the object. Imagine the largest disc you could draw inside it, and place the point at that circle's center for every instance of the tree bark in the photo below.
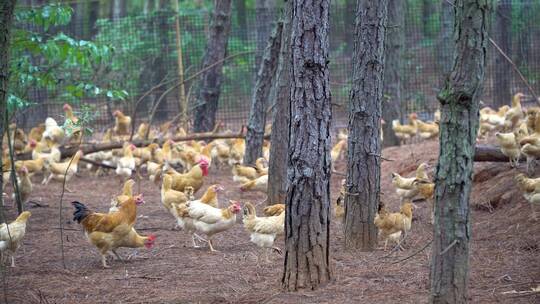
(6, 17)
(264, 19)
(445, 49)
(458, 130)
(391, 102)
(118, 9)
(263, 85)
(277, 165)
(503, 76)
(241, 16)
(220, 26)
(364, 145)
(307, 217)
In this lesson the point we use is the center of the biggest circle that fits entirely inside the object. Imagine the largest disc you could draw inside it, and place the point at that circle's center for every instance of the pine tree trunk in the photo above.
(263, 85)
(6, 17)
(503, 77)
(216, 49)
(307, 219)
(391, 102)
(445, 49)
(277, 165)
(364, 146)
(458, 129)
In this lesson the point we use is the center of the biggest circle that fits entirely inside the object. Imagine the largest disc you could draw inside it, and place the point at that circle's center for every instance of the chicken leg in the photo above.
(104, 261)
(210, 245)
(12, 260)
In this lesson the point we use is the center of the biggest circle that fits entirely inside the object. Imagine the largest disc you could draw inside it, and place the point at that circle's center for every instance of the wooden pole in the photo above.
(181, 88)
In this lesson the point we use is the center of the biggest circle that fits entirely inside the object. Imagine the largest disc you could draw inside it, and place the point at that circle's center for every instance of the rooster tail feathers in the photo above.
(81, 211)
(249, 209)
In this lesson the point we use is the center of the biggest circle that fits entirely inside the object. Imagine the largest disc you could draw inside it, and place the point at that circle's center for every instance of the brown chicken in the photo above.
(107, 231)
(194, 178)
(390, 223)
(127, 193)
(122, 125)
(59, 171)
(273, 210)
(36, 133)
(12, 234)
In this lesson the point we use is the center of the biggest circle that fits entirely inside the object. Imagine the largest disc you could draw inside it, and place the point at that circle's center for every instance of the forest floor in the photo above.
(505, 252)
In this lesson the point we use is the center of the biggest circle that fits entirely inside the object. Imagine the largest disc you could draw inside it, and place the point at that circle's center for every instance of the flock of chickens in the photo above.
(201, 218)
(205, 216)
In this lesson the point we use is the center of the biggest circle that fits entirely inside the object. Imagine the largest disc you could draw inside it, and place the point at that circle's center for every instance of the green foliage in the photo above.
(85, 117)
(43, 57)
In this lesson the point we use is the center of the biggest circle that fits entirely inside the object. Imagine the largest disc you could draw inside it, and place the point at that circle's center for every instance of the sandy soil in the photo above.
(504, 250)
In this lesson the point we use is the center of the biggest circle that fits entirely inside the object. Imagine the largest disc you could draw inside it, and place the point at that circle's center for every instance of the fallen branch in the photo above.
(417, 252)
(92, 148)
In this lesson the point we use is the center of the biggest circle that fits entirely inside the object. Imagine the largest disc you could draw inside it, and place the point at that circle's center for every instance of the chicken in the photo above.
(65, 170)
(33, 166)
(261, 165)
(405, 132)
(275, 209)
(154, 172)
(530, 145)
(404, 186)
(127, 193)
(530, 188)
(437, 116)
(24, 185)
(390, 223)
(336, 150)
(106, 231)
(509, 147)
(491, 120)
(259, 184)
(71, 125)
(263, 230)
(134, 240)
(163, 155)
(122, 123)
(237, 151)
(170, 198)
(343, 134)
(53, 131)
(427, 130)
(210, 197)
(53, 156)
(514, 115)
(243, 174)
(426, 190)
(126, 164)
(220, 152)
(145, 153)
(207, 220)
(18, 138)
(12, 234)
(36, 133)
(339, 208)
(194, 178)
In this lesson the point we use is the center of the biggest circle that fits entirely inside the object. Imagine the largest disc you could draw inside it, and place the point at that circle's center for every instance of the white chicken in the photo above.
(263, 230)
(126, 164)
(205, 219)
(53, 131)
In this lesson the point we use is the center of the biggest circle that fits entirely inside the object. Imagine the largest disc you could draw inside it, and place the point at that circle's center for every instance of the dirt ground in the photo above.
(504, 250)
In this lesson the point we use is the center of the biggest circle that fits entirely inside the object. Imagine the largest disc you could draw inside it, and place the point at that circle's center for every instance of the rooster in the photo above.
(107, 231)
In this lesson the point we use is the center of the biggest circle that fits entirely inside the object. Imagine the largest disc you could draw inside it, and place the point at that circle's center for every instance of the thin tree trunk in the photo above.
(445, 49)
(428, 14)
(161, 64)
(364, 146)
(6, 17)
(391, 102)
(307, 219)
(458, 130)
(220, 26)
(524, 36)
(503, 76)
(263, 85)
(118, 9)
(241, 16)
(264, 19)
(277, 165)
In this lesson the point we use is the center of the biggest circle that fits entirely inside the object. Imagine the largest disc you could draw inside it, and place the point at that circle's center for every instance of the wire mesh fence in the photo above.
(146, 54)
